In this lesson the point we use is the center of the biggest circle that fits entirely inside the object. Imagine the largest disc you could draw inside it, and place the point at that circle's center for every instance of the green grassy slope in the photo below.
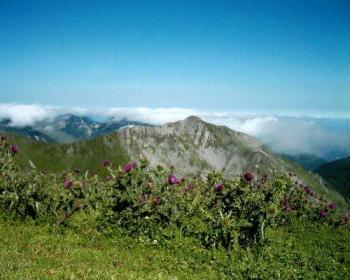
(308, 161)
(299, 251)
(315, 182)
(85, 155)
(337, 173)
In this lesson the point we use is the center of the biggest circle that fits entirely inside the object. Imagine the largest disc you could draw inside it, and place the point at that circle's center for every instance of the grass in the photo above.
(299, 251)
(43, 252)
(314, 181)
(85, 155)
(337, 174)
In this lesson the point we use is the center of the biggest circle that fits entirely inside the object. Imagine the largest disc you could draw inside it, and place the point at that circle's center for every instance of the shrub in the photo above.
(142, 200)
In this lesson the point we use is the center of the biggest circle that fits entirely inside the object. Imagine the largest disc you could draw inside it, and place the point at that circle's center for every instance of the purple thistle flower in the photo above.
(142, 198)
(106, 163)
(309, 191)
(155, 200)
(172, 180)
(344, 220)
(322, 214)
(14, 149)
(129, 166)
(188, 188)
(248, 176)
(332, 206)
(68, 184)
(219, 187)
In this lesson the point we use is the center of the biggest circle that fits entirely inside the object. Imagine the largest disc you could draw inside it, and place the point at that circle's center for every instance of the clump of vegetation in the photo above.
(154, 203)
(248, 227)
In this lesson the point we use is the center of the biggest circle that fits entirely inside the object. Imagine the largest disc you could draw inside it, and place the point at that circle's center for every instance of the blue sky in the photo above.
(250, 56)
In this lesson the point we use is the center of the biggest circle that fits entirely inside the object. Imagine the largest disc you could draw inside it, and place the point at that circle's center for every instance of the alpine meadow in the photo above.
(174, 139)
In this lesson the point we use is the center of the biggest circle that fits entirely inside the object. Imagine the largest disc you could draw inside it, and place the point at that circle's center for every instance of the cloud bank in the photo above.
(292, 135)
(27, 115)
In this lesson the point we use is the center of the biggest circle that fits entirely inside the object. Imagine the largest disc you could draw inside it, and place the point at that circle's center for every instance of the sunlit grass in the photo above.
(300, 251)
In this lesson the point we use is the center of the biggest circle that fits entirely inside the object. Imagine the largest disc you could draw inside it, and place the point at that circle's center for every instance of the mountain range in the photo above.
(191, 147)
(66, 128)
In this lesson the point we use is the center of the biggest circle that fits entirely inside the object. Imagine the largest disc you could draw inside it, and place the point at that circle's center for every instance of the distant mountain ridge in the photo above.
(66, 128)
(308, 161)
(337, 173)
(25, 131)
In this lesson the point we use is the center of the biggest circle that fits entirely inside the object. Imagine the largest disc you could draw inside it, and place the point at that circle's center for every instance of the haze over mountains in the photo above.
(66, 128)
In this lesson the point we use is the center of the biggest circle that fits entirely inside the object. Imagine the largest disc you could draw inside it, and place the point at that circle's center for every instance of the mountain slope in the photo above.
(195, 146)
(84, 155)
(308, 161)
(25, 131)
(192, 146)
(337, 173)
(66, 128)
(71, 128)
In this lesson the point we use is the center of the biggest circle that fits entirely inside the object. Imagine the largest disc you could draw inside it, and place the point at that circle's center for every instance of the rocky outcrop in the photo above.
(194, 146)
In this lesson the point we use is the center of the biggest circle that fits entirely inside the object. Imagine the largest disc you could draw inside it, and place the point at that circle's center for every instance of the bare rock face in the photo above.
(194, 146)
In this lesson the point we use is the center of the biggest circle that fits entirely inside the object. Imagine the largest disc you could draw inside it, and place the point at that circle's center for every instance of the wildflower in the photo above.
(14, 149)
(142, 198)
(248, 176)
(219, 187)
(155, 200)
(68, 184)
(188, 188)
(106, 163)
(332, 206)
(344, 220)
(286, 207)
(172, 180)
(309, 191)
(129, 167)
(78, 205)
(149, 184)
(323, 214)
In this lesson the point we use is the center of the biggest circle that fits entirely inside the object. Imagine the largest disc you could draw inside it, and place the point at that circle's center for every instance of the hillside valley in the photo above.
(337, 174)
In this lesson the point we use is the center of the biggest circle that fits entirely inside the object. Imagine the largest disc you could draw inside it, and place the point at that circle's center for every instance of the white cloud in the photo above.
(26, 115)
(22, 115)
(250, 124)
(147, 115)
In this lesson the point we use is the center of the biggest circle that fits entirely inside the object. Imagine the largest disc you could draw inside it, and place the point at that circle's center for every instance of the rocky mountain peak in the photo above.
(193, 146)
